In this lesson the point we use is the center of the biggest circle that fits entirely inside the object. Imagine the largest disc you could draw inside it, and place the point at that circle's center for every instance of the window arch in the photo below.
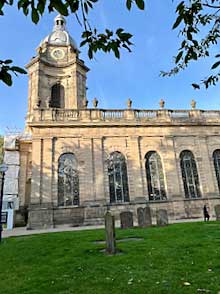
(189, 174)
(216, 161)
(155, 176)
(68, 180)
(118, 179)
(57, 96)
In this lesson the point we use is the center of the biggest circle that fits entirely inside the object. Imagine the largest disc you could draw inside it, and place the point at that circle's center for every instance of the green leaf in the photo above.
(7, 61)
(215, 65)
(128, 4)
(140, 4)
(90, 53)
(6, 78)
(60, 7)
(179, 57)
(196, 86)
(18, 69)
(34, 16)
(41, 6)
(177, 22)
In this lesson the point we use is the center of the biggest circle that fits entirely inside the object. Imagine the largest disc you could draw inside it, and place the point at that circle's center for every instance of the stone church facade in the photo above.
(75, 162)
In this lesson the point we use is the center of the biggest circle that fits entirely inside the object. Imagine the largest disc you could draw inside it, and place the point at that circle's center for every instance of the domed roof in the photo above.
(60, 35)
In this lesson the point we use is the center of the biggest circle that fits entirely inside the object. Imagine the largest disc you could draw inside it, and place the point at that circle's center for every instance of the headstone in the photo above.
(144, 217)
(217, 212)
(126, 218)
(162, 217)
(110, 233)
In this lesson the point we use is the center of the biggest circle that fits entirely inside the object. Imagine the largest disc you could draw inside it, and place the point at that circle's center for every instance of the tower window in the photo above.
(57, 96)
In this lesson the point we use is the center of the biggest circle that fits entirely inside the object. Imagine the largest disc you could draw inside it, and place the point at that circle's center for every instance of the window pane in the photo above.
(189, 174)
(118, 180)
(216, 159)
(68, 180)
(155, 176)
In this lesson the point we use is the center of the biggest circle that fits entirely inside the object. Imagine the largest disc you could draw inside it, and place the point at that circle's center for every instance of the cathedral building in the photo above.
(73, 162)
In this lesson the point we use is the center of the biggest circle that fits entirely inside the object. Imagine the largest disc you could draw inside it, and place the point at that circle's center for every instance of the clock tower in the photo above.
(57, 77)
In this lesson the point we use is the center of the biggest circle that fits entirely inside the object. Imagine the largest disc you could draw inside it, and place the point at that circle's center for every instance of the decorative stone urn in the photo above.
(95, 102)
(162, 103)
(48, 102)
(85, 103)
(193, 104)
(129, 103)
(38, 103)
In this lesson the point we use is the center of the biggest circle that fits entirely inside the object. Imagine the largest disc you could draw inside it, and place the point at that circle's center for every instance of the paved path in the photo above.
(64, 228)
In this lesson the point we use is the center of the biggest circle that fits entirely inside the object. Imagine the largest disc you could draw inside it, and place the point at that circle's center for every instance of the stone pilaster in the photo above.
(36, 172)
(204, 162)
(87, 185)
(47, 171)
(98, 170)
(170, 160)
(134, 168)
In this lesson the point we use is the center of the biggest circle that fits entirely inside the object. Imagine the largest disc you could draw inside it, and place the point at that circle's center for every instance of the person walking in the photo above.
(206, 213)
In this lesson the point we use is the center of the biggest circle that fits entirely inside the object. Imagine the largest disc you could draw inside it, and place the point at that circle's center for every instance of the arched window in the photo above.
(216, 161)
(57, 96)
(189, 174)
(118, 179)
(68, 180)
(155, 176)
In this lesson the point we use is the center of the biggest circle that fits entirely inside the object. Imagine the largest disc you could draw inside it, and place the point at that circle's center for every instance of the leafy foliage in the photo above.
(6, 68)
(199, 23)
(108, 41)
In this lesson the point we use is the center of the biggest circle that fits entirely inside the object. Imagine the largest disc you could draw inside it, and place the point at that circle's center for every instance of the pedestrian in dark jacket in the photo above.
(206, 213)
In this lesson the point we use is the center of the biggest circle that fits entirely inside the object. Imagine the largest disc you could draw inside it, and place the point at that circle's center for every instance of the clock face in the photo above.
(57, 53)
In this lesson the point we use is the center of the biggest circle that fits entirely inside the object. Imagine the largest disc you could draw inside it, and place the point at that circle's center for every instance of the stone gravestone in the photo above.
(162, 217)
(110, 233)
(217, 212)
(144, 217)
(126, 219)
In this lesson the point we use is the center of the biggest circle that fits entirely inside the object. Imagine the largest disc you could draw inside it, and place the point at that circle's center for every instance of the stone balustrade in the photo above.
(123, 115)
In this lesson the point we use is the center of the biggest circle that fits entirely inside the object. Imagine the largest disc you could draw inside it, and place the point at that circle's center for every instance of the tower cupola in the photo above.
(59, 35)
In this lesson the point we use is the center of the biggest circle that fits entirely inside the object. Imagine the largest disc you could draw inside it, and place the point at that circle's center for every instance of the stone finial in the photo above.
(39, 50)
(38, 103)
(129, 103)
(95, 102)
(48, 101)
(85, 102)
(193, 104)
(162, 103)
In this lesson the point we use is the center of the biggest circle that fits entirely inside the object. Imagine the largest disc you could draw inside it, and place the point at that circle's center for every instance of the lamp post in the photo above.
(3, 169)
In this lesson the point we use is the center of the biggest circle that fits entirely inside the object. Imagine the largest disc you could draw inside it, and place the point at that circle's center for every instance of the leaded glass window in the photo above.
(57, 96)
(118, 179)
(189, 174)
(68, 180)
(155, 176)
(216, 160)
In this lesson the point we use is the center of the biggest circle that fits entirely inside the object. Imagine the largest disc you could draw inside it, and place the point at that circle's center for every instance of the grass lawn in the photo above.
(180, 258)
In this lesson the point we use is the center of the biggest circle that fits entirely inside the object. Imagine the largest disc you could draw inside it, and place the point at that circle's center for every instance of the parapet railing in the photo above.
(138, 115)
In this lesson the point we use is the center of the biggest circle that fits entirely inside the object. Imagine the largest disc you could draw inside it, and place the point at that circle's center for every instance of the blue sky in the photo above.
(112, 81)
